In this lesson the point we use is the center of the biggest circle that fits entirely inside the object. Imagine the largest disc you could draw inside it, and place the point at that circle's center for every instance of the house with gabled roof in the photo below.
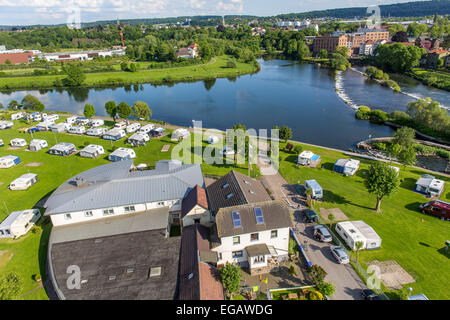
(195, 209)
(256, 235)
(234, 189)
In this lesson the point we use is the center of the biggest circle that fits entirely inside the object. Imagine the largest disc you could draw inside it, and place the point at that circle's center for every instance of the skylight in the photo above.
(236, 219)
(229, 195)
(259, 215)
(155, 272)
(225, 185)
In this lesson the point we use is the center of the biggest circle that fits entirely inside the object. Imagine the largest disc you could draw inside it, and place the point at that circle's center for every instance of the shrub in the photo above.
(443, 153)
(380, 146)
(315, 295)
(379, 116)
(399, 115)
(37, 277)
(297, 149)
(36, 229)
(292, 271)
(363, 113)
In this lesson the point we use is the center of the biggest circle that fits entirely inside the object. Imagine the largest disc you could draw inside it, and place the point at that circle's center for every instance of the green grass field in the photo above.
(29, 252)
(216, 69)
(417, 246)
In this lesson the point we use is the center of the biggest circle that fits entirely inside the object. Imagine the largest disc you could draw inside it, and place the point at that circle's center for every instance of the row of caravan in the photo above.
(35, 116)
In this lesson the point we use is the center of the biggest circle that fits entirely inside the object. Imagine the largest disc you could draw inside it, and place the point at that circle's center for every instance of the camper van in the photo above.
(24, 181)
(133, 127)
(18, 142)
(77, 130)
(120, 125)
(92, 151)
(114, 134)
(37, 144)
(96, 131)
(122, 154)
(19, 223)
(437, 208)
(97, 122)
(317, 192)
(9, 161)
(146, 129)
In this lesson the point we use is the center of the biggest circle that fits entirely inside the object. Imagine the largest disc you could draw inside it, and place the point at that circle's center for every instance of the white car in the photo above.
(339, 254)
(322, 234)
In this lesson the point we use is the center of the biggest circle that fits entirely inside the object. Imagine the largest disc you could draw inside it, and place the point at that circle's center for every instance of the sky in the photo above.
(26, 12)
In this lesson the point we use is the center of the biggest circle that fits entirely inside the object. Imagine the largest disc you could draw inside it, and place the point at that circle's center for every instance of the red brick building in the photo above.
(16, 58)
(329, 43)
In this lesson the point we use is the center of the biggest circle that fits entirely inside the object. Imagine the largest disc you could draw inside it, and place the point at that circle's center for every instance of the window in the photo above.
(88, 214)
(176, 215)
(219, 255)
(67, 216)
(225, 185)
(259, 215)
(274, 234)
(228, 196)
(236, 240)
(84, 281)
(254, 237)
(162, 203)
(130, 209)
(236, 219)
(113, 277)
(155, 272)
(108, 212)
(130, 270)
(237, 254)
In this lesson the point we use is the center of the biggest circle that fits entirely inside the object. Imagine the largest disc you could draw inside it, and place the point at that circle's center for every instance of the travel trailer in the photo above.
(19, 223)
(429, 186)
(133, 127)
(138, 139)
(96, 131)
(24, 181)
(358, 231)
(317, 192)
(77, 130)
(308, 158)
(18, 142)
(92, 151)
(37, 144)
(122, 154)
(62, 149)
(146, 129)
(97, 122)
(9, 161)
(114, 134)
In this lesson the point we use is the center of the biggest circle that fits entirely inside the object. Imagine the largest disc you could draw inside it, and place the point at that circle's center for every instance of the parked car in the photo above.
(339, 254)
(310, 216)
(322, 234)
(437, 208)
(368, 294)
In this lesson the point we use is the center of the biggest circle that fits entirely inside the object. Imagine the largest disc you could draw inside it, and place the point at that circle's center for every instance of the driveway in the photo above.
(345, 279)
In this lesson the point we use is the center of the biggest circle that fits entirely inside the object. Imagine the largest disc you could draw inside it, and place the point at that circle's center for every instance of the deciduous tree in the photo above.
(382, 181)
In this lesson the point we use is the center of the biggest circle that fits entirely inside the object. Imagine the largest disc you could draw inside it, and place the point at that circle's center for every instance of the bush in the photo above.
(36, 229)
(231, 64)
(298, 149)
(399, 115)
(37, 277)
(378, 116)
(292, 271)
(315, 295)
(380, 146)
(363, 113)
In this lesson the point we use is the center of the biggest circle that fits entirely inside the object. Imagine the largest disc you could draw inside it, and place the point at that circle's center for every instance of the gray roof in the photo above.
(275, 213)
(257, 250)
(243, 189)
(114, 184)
(115, 256)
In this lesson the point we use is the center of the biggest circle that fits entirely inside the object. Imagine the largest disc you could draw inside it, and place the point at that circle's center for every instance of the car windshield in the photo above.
(325, 232)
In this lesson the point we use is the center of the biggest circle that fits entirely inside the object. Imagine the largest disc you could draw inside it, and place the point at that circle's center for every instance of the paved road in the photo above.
(345, 279)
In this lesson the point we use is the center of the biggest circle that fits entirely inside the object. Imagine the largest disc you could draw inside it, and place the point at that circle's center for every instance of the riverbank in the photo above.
(216, 69)
(433, 78)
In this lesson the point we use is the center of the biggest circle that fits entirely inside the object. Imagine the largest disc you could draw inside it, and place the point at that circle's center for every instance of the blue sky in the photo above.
(23, 12)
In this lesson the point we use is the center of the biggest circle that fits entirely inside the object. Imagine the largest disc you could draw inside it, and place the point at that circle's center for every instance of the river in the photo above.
(301, 96)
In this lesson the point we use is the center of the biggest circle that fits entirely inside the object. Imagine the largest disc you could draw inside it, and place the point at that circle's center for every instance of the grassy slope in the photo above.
(30, 250)
(197, 72)
(412, 243)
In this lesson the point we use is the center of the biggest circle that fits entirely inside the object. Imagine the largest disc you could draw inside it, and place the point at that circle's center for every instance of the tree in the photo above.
(32, 103)
(331, 218)
(230, 276)
(111, 109)
(343, 51)
(382, 181)
(326, 288)
(206, 51)
(339, 62)
(407, 156)
(89, 111)
(124, 110)
(75, 76)
(400, 36)
(231, 64)
(10, 286)
(285, 133)
(141, 110)
(13, 105)
(394, 150)
(317, 274)
(133, 67)
(358, 246)
(404, 136)
(323, 54)
(124, 66)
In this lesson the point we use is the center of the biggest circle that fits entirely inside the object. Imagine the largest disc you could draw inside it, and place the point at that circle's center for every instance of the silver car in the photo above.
(339, 254)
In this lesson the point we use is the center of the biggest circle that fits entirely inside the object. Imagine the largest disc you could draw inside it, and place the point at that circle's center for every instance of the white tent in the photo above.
(180, 133)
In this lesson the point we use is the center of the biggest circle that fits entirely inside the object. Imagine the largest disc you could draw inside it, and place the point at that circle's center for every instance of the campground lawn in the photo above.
(27, 255)
(417, 246)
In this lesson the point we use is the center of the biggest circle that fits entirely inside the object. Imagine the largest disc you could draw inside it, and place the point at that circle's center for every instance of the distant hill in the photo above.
(409, 9)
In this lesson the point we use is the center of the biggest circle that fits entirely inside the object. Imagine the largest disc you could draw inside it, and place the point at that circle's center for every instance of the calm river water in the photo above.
(301, 96)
